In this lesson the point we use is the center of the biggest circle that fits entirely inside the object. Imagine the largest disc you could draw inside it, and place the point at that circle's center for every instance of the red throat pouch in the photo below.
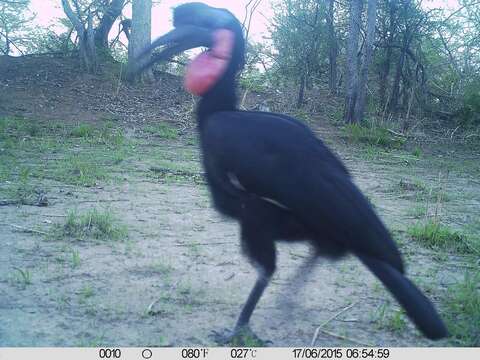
(207, 68)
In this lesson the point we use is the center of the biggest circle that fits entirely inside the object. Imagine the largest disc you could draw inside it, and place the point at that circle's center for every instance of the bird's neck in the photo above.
(222, 97)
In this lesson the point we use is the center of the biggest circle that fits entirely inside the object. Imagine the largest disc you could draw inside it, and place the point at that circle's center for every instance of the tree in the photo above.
(332, 48)
(298, 30)
(367, 59)
(352, 60)
(140, 38)
(14, 19)
(93, 40)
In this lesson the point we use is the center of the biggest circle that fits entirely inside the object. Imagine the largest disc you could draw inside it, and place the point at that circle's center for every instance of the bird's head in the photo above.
(199, 25)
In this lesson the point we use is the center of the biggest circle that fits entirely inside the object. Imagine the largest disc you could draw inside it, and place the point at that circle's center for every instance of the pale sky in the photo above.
(48, 10)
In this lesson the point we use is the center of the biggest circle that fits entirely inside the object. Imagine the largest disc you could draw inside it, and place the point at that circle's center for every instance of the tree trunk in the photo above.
(332, 49)
(7, 43)
(140, 38)
(92, 40)
(301, 91)
(385, 67)
(393, 107)
(352, 60)
(85, 37)
(362, 87)
(113, 11)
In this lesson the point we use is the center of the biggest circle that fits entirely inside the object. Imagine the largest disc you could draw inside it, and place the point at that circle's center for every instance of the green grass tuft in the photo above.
(463, 310)
(83, 131)
(23, 277)
(438, 236)
(372, 135)
(80, 169)
(163, 131)
(94, 224)
(386, 318)
(417, 152)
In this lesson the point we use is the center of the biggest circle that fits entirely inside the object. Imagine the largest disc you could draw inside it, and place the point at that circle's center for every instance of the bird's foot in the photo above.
(240, 336)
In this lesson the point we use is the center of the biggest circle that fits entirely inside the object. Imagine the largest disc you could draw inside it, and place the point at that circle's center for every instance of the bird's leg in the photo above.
(242, 334)
(255, 294)
(259, 246)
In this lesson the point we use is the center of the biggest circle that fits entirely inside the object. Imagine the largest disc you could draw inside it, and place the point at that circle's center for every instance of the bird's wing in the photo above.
(278, 158)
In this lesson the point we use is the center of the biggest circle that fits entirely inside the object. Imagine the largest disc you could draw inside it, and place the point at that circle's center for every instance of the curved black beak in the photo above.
(176, 41)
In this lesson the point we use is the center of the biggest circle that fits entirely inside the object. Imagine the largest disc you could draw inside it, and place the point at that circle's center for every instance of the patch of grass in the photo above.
(416, 185)
(419, 191)
(83, 131)
(176, 171)
(372, 135)
(85, 293)
(80, 169)
(385, 318)
(397, 321)
(246, 338)
(370, 153)
(19, 127)
(301, 114)
(463, 310)
(63, 302)
(163, 131)
(417, 152)
(19, 189)
(22, 277)
(162, 307)
(75, 259)
(162, 267)
(94, 224)
(437, 236)
(111, 135)
(417, 211)
(106, 134)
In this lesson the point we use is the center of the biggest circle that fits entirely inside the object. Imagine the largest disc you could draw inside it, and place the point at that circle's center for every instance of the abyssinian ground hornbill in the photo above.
(270, 172)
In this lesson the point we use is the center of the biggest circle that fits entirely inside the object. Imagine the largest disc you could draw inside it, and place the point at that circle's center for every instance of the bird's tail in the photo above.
(420, 310)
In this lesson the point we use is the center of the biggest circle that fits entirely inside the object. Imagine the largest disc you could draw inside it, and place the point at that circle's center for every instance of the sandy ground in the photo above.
(180, 273)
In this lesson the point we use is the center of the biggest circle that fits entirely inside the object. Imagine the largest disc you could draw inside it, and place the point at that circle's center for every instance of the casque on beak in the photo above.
(178, 40)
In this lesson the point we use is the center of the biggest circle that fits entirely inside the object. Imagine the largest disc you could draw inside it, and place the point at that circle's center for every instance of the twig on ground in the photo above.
(102, 201)
(9, 202)
(318, 329)
(27, 230)
(150, 307)
(206, 244)
(396, 133)
(346, 338)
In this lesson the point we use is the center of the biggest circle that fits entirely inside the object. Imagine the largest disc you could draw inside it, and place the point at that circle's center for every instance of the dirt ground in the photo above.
(179, 274)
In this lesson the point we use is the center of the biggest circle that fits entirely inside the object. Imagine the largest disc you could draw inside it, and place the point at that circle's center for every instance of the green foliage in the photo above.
(82, 131)
(463, 310)
(393, 320)
(299, 37)
(17, 127)
(417, 152)
(437, 236)
(48, 41)
(15, 19)
(254, 80)
(163, 131)
(469, 113)
(23, 277)
(94, 224)
(106, 134)
(80, 169)
(372, 135)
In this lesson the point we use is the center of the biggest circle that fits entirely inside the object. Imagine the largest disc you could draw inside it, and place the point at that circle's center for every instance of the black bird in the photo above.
(270, 173)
